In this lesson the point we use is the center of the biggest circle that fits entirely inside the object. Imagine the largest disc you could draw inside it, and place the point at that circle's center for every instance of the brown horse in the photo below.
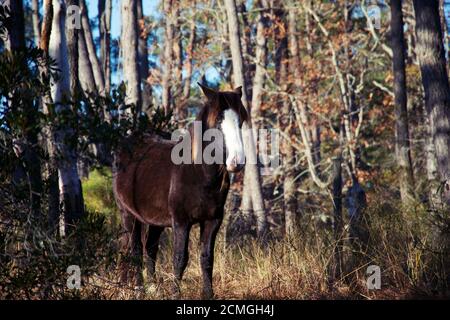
(151, 190)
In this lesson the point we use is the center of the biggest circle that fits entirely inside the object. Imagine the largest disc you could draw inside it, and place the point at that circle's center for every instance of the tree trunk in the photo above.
(86, 74)
(95, 63)
(286, 124)
(403, 153)
(251, 168)
(315, 124)
(69, 183)
(16, 31)
(52, 170)
(104, 14)
(337, 217)
(46, 25)
(36, 27)
(28, 153)
(307, 131)
(316, 142)
(261, 53)
(167, 57)
(188, 61)
(143, 60)
(247, 52)
(289, 185)
(129, 43)
(356, 204)
(430, 53)
(177, 52)
(182, 111)
(72, 49)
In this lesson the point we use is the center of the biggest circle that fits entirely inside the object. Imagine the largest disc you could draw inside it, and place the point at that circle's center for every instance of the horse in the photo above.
(153, 192)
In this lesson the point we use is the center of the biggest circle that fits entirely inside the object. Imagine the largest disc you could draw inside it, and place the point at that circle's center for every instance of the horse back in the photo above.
(141, 179)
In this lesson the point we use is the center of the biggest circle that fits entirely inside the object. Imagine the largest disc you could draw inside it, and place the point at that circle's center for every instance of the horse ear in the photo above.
(209, 93)
(238, 91)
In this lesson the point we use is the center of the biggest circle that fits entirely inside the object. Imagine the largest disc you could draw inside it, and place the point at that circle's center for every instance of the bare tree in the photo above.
(25, 144)
(261, 57)
(129, 46)
(86, 74)
(143, 59)
(35, 17)
(72, 46)
(167, 56)
(93, 59)
(188, 60)
(46, 25)
(16, 30)
(286, 124)
(177, 50)
(69, 183)
(52, 170)
(430, 52)
(104, 14)
(403, 152)
(251, 169)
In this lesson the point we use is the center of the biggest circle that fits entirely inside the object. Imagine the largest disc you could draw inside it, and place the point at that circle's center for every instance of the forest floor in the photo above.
(280, 270)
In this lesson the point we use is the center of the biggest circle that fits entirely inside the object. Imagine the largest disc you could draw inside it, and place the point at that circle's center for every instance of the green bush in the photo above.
(99, 197)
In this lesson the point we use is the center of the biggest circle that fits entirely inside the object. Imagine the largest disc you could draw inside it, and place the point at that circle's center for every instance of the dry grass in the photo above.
(300, 268)
(414, 259)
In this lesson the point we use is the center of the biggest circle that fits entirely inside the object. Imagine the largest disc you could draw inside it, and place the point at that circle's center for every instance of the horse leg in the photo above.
(208, 232)
(137, 253)
(151, 247)
(123, 265)
(125, 245)
(180, 252)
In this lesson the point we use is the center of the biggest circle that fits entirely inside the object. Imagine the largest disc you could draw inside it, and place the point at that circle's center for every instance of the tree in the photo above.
(92, 55)
(36, 27)
(252, 180)
(25, 144)
(177, 51)
(287, 125)
(143, 58)
(71, 195)
(430, 52)
(86, 73)
(72, 45)
(129, 46)
(261, 57)
(189, 59)
(167, 56)
(16, 29)
(104, 15)
(403, 153)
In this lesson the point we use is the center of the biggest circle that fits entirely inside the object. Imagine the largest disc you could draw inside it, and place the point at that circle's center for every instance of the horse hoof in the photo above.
(207, 295)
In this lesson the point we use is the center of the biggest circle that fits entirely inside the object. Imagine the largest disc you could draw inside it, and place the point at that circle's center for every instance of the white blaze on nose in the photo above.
(233, 137)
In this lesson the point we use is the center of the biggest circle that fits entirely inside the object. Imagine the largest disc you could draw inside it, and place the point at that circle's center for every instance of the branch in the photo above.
(383, 88)
(385, 48)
